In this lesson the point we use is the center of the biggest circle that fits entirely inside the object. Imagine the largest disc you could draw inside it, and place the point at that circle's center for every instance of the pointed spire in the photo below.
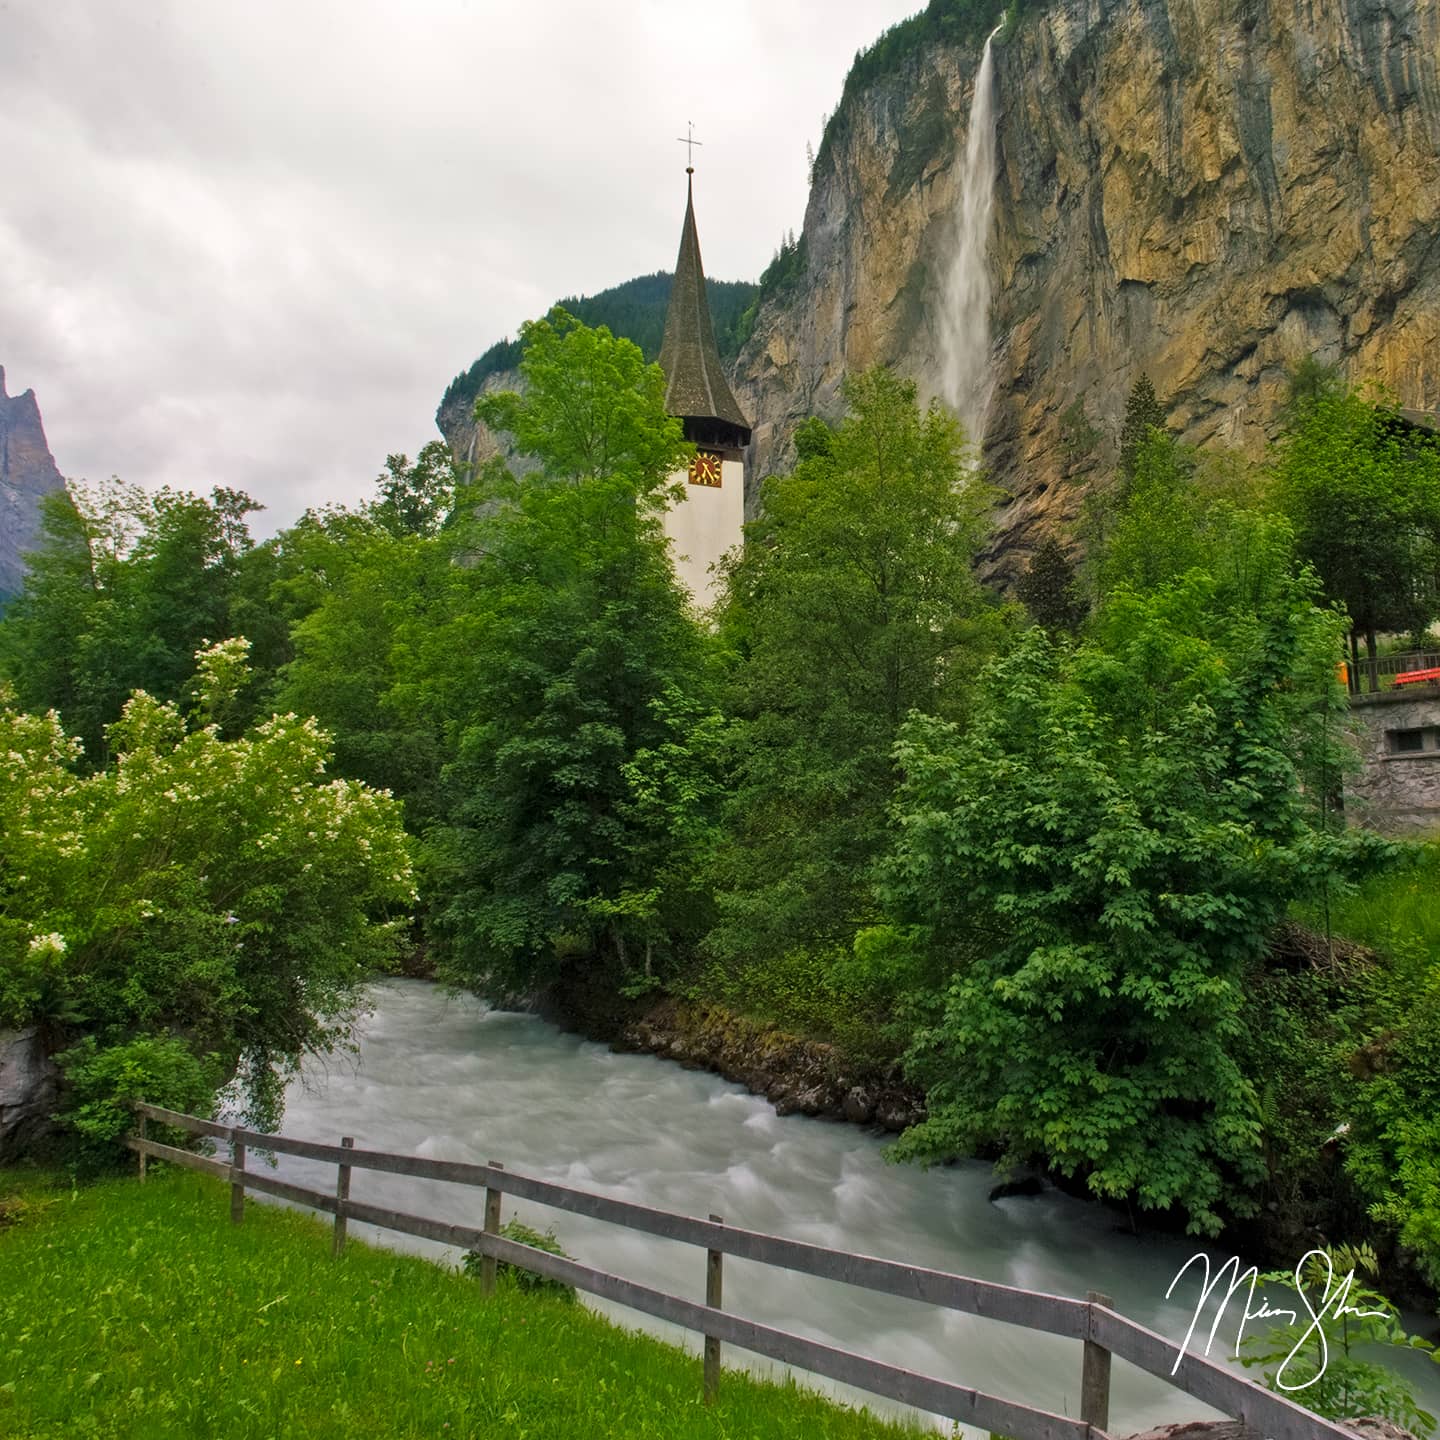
(696, 388)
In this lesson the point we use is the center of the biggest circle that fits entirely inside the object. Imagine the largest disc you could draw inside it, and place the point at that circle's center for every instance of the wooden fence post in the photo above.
(492, 1227)
(342, 1194)
(714, 1293)
(143, 1156)
(1095, 1373)
(237, 1180)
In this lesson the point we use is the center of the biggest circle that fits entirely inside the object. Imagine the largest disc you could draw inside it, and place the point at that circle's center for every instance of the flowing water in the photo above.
(445, 1077)
(966, 378)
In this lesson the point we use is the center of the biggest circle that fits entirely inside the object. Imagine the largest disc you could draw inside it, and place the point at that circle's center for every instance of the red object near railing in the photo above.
(1386, 672)
(1416, 677)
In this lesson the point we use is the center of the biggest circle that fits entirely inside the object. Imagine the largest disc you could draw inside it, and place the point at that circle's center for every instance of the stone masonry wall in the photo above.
(1397, 790)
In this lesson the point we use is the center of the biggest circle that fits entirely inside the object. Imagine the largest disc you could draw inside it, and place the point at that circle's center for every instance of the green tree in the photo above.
(358, 589)
(1153, 475)
(126, 585)
(1363, 493)
(416, 499)
(1049, 590)
(203, 904)
(1152, 529)
(1181, 510)
(593, 410)
(1143, 413)
(1097, 860)
(582, 683)
(854, 603)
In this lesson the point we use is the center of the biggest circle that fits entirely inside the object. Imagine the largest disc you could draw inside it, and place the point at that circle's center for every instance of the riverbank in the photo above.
(798, 1074)
(133, 1311)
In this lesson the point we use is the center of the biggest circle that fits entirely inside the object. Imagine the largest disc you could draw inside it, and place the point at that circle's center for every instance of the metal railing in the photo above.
(1372, 677)
(1101, 1331)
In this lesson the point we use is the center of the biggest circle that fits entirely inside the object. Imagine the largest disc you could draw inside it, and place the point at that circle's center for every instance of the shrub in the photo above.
(201, 904)
(522, 1279)
(1323, 1370)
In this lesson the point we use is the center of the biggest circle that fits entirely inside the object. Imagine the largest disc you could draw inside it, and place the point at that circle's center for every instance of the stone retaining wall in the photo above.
(1397, 735)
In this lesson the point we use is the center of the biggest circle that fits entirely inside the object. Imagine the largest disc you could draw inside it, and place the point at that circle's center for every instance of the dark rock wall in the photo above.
(27, 475)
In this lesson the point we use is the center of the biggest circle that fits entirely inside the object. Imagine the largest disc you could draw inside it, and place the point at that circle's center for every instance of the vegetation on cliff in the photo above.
(941, 22)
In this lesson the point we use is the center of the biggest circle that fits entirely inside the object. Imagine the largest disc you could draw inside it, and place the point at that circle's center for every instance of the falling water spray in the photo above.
(965, 378)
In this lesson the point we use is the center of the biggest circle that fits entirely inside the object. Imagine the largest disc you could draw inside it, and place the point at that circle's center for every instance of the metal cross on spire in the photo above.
(690, 142)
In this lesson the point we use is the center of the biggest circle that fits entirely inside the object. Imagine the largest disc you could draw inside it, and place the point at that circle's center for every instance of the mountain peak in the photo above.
(28, 473)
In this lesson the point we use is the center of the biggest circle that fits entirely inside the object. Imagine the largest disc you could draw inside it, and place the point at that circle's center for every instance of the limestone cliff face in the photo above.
(27, 475)
(1202, 190)
(471, 443)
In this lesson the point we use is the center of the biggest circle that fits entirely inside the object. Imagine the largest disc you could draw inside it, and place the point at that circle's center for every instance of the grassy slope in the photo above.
(130, 1311)
(1401, 908)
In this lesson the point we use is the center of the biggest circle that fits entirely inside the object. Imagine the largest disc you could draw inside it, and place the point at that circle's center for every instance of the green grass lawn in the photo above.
(1391, 911)
(141, 1311)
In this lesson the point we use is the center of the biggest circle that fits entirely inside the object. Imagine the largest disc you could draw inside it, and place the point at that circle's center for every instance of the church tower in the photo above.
(707, 522)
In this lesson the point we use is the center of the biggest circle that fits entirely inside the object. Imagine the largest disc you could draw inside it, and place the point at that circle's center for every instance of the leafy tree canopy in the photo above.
(416, 499)
(1363, 493)
(580, 700)
(1097, 860)
(126, 585)
(857, 577)
(360, 588)
(593, 411)
(203, 903)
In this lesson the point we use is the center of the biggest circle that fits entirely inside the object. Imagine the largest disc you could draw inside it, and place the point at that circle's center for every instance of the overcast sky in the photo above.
(250, 244)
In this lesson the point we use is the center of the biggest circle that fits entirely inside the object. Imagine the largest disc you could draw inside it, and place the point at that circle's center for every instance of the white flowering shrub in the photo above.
(199, 903)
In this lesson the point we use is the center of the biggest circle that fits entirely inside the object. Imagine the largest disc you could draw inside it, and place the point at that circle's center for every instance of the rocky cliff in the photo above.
(1202, 190)
(27, 475)
(473, 444)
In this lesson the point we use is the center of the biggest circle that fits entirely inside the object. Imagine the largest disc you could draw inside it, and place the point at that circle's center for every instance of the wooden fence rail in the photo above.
(1103, 1332)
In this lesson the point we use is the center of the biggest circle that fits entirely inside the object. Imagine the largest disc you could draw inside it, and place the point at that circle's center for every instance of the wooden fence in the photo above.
(1101, 1331)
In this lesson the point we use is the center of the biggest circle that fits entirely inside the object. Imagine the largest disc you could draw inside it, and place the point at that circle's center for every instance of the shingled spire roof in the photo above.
(696, 388)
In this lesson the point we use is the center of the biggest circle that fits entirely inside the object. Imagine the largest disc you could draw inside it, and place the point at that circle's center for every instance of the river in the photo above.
(446, 1077)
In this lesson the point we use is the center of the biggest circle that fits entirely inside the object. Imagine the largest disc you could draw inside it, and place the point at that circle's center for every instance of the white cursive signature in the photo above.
(1334, 1304)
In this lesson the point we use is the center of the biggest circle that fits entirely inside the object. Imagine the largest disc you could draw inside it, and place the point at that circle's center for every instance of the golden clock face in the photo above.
(705, 468)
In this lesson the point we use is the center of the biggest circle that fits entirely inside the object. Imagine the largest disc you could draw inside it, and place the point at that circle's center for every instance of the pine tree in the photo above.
(1143, 412)
(1048, 590)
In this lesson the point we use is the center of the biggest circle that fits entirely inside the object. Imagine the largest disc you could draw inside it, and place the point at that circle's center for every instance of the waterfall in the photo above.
(965, 378)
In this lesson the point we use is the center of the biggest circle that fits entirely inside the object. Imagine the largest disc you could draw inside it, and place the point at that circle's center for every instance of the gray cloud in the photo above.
(250, 245)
